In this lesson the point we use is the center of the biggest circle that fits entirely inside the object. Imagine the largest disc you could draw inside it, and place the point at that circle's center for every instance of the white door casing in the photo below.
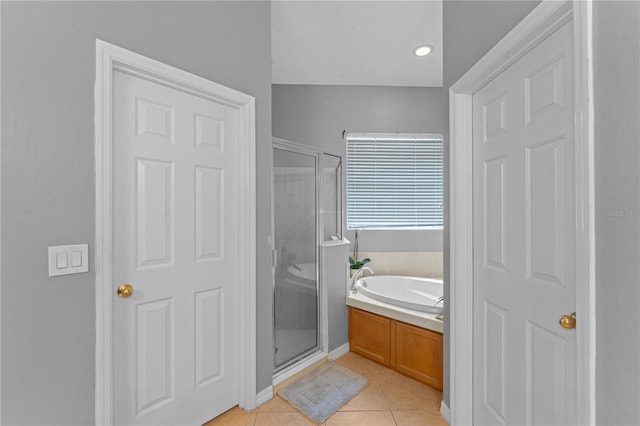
(543, 21)
(524, 240)
(183, 266)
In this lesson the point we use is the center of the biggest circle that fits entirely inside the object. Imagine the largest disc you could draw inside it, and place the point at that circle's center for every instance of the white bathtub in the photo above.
(420, 294)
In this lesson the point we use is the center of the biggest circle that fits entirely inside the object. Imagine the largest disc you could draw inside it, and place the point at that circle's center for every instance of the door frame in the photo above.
(110, 58)
(534, 28)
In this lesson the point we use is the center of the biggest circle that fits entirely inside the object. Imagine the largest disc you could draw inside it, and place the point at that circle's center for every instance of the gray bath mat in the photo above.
(324, 391)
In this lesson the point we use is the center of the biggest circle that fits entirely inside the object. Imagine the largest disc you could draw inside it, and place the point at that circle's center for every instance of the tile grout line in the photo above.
(393, 416)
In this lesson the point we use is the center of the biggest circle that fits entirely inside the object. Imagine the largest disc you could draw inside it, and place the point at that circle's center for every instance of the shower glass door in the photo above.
(295, 189)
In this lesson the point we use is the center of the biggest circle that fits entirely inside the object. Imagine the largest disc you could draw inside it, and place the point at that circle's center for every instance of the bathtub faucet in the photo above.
(356, 275)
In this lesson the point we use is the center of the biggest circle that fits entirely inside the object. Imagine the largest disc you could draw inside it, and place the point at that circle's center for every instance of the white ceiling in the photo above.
(356, 42)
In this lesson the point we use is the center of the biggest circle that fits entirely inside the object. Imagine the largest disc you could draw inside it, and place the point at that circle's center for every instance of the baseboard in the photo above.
(444, 410)
(264, 395)
(339, 351)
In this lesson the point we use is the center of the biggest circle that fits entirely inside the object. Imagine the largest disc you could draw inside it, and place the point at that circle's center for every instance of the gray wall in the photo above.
(470, 29)
(317, 115)
(334, 268)
(617, 160)
(48, 56)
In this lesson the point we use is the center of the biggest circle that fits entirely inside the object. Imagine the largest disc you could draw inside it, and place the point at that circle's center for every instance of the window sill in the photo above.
(342, 242)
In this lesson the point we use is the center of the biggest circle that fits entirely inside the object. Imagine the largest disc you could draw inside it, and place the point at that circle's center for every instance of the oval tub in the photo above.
(420, 294)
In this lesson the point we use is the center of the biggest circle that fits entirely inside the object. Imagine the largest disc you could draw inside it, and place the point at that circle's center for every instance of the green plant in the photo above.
(357, 264)
(353, 261)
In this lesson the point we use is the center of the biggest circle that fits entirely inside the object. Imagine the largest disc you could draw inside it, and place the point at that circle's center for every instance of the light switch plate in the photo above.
(71, 259)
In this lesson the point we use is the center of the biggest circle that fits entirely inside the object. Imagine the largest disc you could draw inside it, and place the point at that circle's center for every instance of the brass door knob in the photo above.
(568, 321)
(125, 290)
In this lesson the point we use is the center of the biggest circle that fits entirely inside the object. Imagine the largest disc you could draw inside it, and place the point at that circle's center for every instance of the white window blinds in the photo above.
(394, 181)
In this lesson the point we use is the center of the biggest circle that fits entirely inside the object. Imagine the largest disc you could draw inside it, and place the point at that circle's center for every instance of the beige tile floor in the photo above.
(389, 399)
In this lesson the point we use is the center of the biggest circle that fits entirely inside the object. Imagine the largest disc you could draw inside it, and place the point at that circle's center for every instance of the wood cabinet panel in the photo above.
(369, 335)
(410, 350)
(418, 353)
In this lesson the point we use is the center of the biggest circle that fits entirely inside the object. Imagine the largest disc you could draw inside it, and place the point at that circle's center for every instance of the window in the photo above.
(394, 181)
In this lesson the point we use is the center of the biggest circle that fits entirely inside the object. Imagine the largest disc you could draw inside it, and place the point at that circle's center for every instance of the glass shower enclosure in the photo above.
(295, 200)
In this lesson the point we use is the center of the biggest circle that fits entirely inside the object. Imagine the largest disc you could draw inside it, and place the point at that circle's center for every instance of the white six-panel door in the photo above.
(175, 241)
(524, 240)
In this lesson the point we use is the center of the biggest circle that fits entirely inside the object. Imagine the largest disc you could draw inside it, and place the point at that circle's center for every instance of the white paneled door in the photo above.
(175, 242)
(524, 224)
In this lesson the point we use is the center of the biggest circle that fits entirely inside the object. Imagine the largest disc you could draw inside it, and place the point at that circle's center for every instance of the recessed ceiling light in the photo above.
(422, 50)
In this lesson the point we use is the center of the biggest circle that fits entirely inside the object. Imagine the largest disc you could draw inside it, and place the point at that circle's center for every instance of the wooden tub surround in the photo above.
(408, 349)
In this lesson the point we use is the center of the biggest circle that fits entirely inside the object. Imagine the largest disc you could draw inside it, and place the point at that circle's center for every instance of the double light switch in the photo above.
(72, 259)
